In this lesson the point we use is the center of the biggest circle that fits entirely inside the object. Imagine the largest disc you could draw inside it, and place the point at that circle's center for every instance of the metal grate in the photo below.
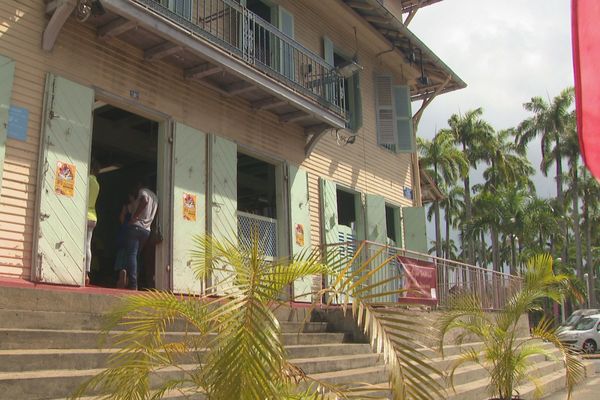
(250, 225)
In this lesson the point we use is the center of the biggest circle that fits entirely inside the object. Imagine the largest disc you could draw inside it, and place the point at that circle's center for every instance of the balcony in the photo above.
(227, 48)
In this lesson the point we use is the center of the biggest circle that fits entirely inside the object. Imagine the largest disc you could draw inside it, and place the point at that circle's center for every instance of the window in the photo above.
(182, 8)
(350, 97)
(394, 116)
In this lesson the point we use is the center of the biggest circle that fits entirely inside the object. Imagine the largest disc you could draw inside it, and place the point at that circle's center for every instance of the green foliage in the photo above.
(232, 346)
(506, 358)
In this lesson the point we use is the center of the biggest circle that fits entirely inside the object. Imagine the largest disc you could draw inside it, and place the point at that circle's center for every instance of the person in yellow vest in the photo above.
(92, 218)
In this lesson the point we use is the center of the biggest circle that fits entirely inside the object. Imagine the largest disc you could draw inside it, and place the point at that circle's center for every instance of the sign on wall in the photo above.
(420, 281)
(189, 206)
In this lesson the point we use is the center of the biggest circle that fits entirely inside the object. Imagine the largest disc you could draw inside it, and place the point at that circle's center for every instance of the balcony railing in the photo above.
(263, 229)
(493, 288)
(255, 41)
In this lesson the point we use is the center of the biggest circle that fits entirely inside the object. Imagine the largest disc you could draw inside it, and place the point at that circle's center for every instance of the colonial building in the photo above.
(296, 116)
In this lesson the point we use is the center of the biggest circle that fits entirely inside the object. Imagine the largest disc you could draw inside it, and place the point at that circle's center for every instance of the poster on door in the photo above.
(64, 183)
(189, 207)
(420, 281)
(299, 234)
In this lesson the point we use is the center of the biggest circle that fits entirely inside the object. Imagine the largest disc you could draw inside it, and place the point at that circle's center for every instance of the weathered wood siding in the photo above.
(117, 68)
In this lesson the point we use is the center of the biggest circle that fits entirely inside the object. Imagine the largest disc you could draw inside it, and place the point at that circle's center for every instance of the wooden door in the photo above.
(189, 204)
(300, 226)
(62, 225)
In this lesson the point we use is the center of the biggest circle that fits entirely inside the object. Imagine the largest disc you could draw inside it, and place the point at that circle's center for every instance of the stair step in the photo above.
(371, 375)
(64, 339)
(27, 319)
(336, 363)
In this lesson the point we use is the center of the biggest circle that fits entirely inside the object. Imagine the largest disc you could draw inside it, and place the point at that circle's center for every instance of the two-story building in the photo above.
(294, 116)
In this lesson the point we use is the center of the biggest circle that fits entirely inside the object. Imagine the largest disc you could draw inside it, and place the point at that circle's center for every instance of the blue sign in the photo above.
(18, 122)
(408, 193)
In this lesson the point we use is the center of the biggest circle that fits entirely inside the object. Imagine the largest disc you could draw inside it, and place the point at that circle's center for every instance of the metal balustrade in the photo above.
(264, 229)
(493, 288)
(255, 41)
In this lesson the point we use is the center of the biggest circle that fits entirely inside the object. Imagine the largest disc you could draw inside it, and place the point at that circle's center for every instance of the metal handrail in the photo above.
(255, 41)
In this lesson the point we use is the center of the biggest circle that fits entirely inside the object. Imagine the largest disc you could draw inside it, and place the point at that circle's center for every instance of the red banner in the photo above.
(420, 281)
(585, 16)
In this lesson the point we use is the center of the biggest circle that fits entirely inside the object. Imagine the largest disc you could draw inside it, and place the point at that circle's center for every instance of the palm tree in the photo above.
(235, 340)
(549, 120)
(506, 358)
(540, 223)
(486, 218)
(446, 163)
(470, 131)
(513, 203)
(453, 205)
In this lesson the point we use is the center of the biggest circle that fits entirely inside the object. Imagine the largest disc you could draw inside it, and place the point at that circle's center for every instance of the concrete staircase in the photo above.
(49, 346)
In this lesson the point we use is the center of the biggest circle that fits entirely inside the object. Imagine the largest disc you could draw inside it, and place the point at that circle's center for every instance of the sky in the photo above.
(507, 51)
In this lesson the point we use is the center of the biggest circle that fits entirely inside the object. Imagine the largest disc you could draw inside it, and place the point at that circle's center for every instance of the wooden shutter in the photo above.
(67, 129)
(329, 214)
(329, 59)
(300, 224)
(355, 103)
(404, 125)
(376, 226)
(384, 107)
(223, 204)
(415, 233)
(189, 185)
(286, 25)
(7, 73)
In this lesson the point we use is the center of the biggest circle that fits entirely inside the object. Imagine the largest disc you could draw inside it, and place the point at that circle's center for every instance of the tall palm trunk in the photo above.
(438, 233)
(589, 263)
(513, 255)
(495, 250)
(468, 213)
(576, 233)
(447, 218)
(561, 201)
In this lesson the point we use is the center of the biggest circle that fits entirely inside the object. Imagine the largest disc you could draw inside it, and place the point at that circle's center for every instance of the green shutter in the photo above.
(415, 233)
(404, 125)
(329, 216)
(7, 73)
(376, 227)
(384, 108)
(223, 205)
(189, 181)
(67, 130)
(300, 224)
(286, 25)
(355, 100)
(329, 59)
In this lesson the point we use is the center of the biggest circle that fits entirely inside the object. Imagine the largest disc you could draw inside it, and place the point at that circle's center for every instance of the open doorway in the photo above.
(125, 148)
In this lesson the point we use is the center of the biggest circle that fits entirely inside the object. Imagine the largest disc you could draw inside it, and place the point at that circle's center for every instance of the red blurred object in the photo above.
(420, 281)
(586, 62)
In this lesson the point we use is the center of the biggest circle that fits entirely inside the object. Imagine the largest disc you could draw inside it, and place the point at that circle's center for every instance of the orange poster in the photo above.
(64, 183)
(189, 207)
(300, 234)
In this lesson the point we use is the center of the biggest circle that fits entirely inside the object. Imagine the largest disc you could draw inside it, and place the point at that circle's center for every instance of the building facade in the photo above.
(290, 117)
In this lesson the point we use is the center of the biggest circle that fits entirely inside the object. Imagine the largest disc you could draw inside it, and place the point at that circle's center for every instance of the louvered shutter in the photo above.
(300, 226)
(384, 107)
(415, 231)
(403, 119)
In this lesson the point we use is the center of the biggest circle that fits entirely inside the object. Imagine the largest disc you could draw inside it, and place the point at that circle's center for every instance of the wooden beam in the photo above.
(202, 71)
(314, 134)
(359, 5)
(268, 103)
(115, 28)
(52, 5)
(213, 86)
(293, 116)
(161, 51)
(376, 19)
(240, 87)
(62, 11)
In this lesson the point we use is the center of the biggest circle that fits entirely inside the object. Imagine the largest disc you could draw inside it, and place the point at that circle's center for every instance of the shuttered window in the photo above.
(182, 8)
(394, 115)
(7, 72)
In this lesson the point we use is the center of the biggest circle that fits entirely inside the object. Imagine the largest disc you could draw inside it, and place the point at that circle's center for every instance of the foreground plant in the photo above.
(506, 357)
(233, 348)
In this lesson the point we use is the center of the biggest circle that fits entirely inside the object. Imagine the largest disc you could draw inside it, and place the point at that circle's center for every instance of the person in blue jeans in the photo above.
(136, 235)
